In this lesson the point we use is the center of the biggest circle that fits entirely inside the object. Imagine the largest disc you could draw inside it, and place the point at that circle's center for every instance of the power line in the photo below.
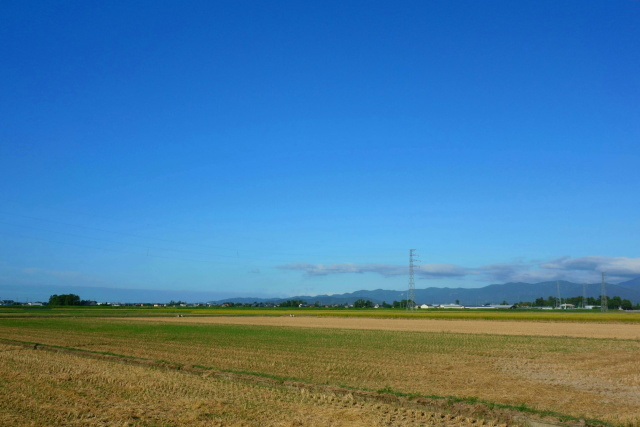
(62, 243)
(145, 247)
(172, 242)
(138, 245)
(112, 249)
(138, 236)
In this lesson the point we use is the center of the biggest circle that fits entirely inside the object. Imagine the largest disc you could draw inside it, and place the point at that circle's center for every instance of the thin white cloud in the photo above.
(520, 271)
(564, 268)
(343, 268)
(615, 267)
(426, 270)
(436, 271)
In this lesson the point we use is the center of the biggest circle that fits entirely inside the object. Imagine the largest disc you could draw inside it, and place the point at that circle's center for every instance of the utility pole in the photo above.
(603, 296)
(411, 295)
(584, 295)
(559, 301)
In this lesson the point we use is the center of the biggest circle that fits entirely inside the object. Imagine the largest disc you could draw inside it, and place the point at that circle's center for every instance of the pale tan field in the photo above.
(495, 327)
(42, 388)
(541, 365)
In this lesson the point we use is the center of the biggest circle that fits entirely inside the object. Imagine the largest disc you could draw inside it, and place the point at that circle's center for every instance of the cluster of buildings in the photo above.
(7, 302)
(466, 306)
(12, 302)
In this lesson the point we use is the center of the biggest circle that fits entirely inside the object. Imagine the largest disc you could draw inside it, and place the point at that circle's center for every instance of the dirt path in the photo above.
(553, 329)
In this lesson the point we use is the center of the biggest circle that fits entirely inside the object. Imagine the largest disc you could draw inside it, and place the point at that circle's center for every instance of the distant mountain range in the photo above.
(494, 294)
(631, 284)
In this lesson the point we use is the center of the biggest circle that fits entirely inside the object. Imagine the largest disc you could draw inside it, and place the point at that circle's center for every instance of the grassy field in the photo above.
(580, 377)
(591, 316)
(618, 330)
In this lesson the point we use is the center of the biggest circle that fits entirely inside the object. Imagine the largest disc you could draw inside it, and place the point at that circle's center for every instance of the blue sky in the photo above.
(217, 149)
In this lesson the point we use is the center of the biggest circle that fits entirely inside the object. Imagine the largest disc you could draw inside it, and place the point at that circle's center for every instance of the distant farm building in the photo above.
(450, 306)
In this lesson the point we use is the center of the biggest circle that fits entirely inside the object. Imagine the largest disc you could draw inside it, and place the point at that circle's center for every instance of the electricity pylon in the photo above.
(411, 295)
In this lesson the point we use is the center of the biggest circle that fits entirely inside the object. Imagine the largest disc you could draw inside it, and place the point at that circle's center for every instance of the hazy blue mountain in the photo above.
(511, 292)
(249, 300)
(493, 294)
(631, 284)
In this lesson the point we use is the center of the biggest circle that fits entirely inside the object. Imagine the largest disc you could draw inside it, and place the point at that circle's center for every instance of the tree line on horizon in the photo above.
(614, 302)
(67, 299)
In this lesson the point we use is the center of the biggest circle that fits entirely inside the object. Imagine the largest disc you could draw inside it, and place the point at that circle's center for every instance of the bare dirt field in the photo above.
(551, 329)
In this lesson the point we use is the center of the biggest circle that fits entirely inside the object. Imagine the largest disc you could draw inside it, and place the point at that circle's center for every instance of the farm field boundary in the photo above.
(585, 378)
(502, 327)
(447, 409)
(542, 316)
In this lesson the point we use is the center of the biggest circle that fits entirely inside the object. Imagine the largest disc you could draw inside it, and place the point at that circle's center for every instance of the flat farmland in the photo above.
(587, 370)
(471, 326)
(564, 316)
(49, 388)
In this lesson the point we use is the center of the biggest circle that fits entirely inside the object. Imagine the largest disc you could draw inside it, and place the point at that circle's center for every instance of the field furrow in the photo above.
(592, 378)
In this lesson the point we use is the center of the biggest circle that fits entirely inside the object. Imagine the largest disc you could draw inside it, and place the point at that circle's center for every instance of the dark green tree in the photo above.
(65, 299)
(616, 302)
(402, 304)
(292, 303)
(361, 303)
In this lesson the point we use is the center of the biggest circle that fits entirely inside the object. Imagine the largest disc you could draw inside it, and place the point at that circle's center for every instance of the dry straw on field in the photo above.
(43, 388)
(582, 377)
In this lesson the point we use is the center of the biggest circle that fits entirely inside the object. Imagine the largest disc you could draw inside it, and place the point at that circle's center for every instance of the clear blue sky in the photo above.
(215, 149)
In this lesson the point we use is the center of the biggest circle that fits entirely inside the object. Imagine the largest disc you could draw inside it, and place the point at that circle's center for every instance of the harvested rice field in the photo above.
(44, 388)
(316, 371)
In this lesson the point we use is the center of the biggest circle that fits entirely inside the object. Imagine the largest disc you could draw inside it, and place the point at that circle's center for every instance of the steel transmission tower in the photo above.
(411, 295)
(603, 296)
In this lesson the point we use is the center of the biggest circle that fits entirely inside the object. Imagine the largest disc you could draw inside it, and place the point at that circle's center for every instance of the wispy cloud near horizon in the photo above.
(431, 271)
(343, 268)
(563, 268)
(620, 268)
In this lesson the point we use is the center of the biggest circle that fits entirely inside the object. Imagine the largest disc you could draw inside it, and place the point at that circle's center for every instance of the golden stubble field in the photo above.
(43, 388)
(588, 369)
(583, 370)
